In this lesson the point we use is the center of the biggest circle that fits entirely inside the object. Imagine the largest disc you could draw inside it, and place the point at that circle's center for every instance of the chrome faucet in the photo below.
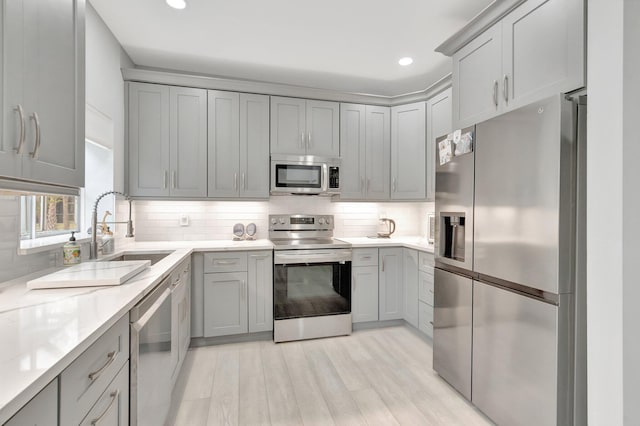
(93, 247)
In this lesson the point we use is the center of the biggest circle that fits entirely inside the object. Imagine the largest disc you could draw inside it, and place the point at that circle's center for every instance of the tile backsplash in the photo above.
(214, 220)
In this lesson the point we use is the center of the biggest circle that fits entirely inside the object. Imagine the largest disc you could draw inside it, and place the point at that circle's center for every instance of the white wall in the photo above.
(613, 209)
(214, 220)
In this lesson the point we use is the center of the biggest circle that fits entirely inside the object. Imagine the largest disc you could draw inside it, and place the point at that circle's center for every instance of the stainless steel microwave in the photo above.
(305, 174)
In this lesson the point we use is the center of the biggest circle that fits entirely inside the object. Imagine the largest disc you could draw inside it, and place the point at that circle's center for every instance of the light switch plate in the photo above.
(184, 220)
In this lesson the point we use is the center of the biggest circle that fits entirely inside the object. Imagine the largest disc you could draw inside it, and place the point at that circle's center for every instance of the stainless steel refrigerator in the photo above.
(508, 218)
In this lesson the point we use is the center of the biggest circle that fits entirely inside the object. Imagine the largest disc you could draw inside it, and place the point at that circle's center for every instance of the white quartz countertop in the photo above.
(412, 242)
(42, 331)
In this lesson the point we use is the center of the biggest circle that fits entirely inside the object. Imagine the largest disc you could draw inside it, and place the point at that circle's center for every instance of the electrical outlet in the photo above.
(184, 220)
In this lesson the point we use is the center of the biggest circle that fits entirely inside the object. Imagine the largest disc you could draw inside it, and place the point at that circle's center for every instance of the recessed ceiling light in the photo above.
(403, 61)
(177, 4)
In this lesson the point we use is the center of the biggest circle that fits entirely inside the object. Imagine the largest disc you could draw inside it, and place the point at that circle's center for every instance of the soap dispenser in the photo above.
(71, 251)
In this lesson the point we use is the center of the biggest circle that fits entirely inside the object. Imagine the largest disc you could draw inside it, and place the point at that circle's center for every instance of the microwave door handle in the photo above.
(325, 177)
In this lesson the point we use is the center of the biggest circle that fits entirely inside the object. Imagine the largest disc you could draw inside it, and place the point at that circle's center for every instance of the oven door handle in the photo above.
(282, 259)
(146, 317)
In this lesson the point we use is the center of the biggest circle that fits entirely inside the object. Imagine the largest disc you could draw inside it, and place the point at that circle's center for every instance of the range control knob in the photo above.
(328, 220)
(274, 221)
(282, 221)
(321, 221)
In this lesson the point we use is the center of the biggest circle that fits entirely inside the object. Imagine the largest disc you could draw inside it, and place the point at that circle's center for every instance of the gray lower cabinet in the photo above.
(167, 128)
(535, 51)
(425, 293)
(439, 110)
(365, 145)
(237, 294)
(238, 145)
(364, 293)
(305, 127)
(42, 410)
(410, 279)
(43, 91)
(112, 408)
(408, 152)
(180, 316)
(390, 283)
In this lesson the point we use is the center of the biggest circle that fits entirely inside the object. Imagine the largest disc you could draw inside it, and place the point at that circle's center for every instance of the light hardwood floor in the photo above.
(373, 377)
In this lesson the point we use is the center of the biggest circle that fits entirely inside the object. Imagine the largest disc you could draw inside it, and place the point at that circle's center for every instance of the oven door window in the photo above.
(298, 176)
(310, 290)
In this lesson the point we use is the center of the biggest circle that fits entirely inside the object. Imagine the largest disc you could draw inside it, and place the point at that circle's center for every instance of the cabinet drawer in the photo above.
(112, 408)
(82, 383)
(425, 287)
(365, 257)
(225, 262)
(426, 262)
(425, 318)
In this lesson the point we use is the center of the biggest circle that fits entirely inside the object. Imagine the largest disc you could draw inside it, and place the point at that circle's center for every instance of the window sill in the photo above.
(40, 245)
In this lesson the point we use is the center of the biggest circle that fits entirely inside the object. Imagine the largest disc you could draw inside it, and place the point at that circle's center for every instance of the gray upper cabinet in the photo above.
(408, 152)
(188, 142)
(543, 45)
(167, 141)
(43, 91)
(365, 146)
(438, 123)
(148, 140)
(535, 51)
(238, 145)
(476, 79)
(304, 127)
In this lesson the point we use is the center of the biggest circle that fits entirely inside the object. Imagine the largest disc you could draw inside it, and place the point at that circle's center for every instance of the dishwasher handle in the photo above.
(144, 319)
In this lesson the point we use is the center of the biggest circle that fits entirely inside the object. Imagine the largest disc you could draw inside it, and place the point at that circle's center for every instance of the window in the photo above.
(48, 215)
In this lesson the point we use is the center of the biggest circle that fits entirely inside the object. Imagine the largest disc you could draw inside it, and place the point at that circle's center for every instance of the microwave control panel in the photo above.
(334, 177)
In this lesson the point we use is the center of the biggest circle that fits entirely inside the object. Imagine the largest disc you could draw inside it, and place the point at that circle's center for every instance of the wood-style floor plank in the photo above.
(374, 377)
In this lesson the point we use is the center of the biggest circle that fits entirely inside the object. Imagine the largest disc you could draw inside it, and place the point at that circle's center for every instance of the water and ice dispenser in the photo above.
(452, 228)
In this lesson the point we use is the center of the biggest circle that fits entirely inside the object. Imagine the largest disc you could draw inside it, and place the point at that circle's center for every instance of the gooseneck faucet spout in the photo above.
(93, 247)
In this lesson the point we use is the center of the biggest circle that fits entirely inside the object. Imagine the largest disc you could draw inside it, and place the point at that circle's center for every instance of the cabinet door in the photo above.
(225, 304)
(408, 152)
(148, 139)
(378, 152)
(254, 146)
(391, 289)
(260, 276)
(185, 316)
(188, 142)
(476, 79)
(112, 408)
(352, 148)
(224, 138)
(288, 127)
(364, 294)
(543, 48)
(425, 318)
(323, 131)
(11, 89)
(410, 279)
(54, 91)
(438, 123)
(42, 410)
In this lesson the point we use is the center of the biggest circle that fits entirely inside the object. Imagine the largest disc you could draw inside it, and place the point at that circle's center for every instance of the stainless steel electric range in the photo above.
(311, 278)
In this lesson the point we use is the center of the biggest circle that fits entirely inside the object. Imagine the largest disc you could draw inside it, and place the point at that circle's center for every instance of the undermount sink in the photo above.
(153, 257)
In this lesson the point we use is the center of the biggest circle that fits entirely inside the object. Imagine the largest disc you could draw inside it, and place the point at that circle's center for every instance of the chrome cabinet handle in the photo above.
(382, 263)
(111, 356)
(36, 149)
(309, 141)
(368, 185)
(114, 396)
(244, 290)
(173, 179)
(235, 181)
(354, 283)
(366, 257)
(301, 144)
(164, 180)
(430, 291)
(394, 184)
(495, 92)
(259, 256)
(431, 322)
(244, 182)
(22, 130)
(224, 262)
(505, 87)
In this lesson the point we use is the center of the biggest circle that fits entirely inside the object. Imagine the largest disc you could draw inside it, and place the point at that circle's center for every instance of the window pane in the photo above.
(54, 214)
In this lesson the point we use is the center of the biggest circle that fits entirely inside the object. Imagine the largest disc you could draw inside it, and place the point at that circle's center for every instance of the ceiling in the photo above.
(345, 45)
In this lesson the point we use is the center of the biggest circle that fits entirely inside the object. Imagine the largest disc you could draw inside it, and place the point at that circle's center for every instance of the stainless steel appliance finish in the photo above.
(151, 357)
(454, 210)
(521, 374)
(521, 192)
(525, 195)
(311, 280)
(305, 174)
(452, 329)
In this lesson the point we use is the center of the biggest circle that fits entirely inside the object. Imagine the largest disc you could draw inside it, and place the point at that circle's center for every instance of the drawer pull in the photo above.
(111, 356)
(431, 291)
(225, 262)
(114, 396)
(366, 258)
(431, 322)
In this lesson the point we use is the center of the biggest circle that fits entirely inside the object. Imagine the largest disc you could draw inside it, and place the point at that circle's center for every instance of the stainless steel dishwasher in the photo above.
(151, 357)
